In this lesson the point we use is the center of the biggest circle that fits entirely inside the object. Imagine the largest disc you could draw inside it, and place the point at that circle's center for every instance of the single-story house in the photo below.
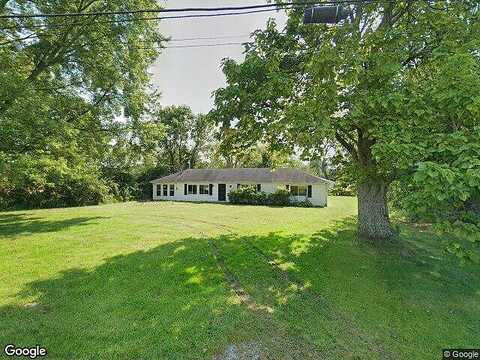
(214, 185)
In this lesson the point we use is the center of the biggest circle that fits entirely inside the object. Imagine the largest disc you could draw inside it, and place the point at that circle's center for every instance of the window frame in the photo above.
(246, 186)
(159, 189)
(203, 189)
(165, 190)
(295, 190)
(192, 189)
(172, 190)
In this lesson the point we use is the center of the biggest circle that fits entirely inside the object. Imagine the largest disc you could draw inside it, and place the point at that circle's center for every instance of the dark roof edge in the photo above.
(172, 177)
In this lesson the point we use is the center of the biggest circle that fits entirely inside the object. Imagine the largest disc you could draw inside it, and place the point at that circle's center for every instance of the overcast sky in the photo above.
(188, 76)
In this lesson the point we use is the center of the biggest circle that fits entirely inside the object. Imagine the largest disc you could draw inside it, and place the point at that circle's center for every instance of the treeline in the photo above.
(78, 122)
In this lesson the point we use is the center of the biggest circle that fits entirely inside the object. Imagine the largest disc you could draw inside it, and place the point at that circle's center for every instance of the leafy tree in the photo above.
(63, 83)
(186, 136)
(378, 84)
(131, 156)
(42, 182)
(445, 190)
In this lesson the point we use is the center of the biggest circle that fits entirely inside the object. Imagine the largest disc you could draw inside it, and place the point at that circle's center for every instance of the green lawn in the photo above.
(189, 281)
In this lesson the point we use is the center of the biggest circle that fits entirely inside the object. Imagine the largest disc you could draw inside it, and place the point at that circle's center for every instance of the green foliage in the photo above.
(143, 181)
(343, 189)
(69, 93)
(279, 198)
(382, 85)
(43, 182)
(304, 203)
(249, 196)
(445, 189)
(186, 136)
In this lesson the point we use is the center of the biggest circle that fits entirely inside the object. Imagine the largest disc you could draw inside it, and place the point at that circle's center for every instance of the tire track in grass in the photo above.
(331, 313)
(311, 295)
(308, 295)
(265, 313)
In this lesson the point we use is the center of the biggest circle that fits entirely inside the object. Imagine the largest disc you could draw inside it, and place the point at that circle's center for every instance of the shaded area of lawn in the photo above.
(12, 224)
(169, 302)
(408, 296)
(321, 295)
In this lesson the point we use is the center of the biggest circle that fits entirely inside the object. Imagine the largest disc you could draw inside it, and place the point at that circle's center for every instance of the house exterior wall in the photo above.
(319, 192)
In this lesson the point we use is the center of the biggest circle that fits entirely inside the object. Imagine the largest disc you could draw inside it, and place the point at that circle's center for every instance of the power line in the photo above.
(169, 40)
(209, 38)
(192, 9)
(201, 45)
(54, 26)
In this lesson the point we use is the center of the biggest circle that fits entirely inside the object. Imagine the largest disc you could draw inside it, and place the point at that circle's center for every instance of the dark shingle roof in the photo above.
(248, 175)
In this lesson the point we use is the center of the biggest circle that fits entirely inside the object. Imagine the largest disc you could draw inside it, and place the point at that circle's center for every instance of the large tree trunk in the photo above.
(373, 219)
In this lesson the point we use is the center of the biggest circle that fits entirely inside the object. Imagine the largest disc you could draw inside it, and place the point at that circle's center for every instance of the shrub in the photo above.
(305, 203)
(247, 196)
(279, 198)
(44, 182)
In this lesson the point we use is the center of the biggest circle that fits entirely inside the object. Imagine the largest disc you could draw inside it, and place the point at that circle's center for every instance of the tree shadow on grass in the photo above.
(174, 302)
(414, 300)
(18, 224)
(156, 304)
(170, 302)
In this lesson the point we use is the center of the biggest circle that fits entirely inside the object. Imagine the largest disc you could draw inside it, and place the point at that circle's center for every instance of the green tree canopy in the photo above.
(64, 82)
(187, 136)
(383, 84)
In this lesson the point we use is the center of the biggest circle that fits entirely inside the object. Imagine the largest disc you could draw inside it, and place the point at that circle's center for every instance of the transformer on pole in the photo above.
(324, 14)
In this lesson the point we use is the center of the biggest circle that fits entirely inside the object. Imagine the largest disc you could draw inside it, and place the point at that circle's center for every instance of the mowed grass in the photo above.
(189, 281)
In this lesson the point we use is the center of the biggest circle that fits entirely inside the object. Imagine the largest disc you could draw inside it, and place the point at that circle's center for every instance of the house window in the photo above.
(192, 189)
(159, 190)
(165, 190)
(246, 186)
(259, 187)
(298, 190)
(203, 189)
(172, 190)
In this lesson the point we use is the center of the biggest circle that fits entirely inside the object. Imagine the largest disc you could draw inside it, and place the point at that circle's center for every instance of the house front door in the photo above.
(222, 192)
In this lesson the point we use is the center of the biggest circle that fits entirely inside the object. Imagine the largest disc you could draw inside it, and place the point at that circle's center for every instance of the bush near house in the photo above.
(280, 198)
(249, 196)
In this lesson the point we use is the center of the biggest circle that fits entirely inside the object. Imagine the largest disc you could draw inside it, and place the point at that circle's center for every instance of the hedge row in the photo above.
(249, 196)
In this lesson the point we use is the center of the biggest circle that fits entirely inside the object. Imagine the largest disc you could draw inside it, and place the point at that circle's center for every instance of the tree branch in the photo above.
(348, 146)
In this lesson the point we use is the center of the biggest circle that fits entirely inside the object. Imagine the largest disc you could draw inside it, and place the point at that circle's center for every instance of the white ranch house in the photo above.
(214, 185)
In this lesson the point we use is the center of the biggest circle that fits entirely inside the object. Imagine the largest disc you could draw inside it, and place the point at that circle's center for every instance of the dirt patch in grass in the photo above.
(246, 351)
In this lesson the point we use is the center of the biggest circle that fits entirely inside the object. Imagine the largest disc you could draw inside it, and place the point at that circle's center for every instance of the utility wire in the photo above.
(284, 6)
(54, 26)
(200, 45)
(209, 38)
(192, 9)
(31, 36)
